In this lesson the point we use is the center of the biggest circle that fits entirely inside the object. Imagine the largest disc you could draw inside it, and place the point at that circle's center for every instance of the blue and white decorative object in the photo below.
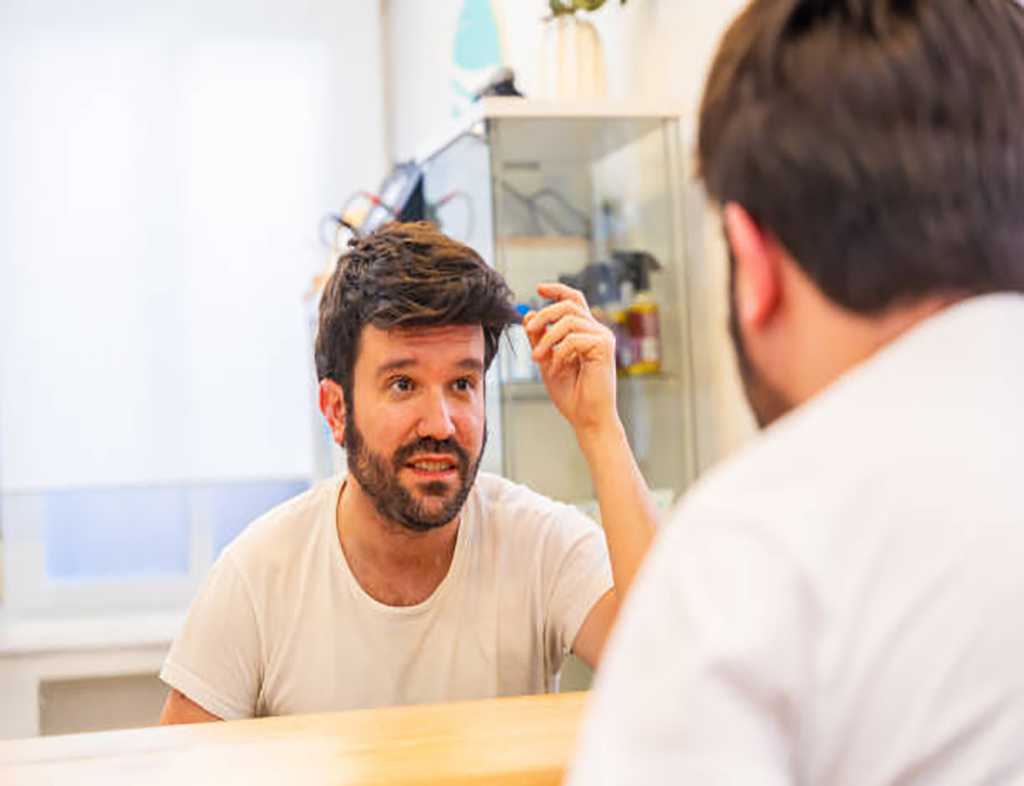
(477, 52)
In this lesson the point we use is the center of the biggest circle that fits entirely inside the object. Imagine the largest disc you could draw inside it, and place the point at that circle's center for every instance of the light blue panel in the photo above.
(116, 533)
(477, 43)
(231, 507)
(477, 51)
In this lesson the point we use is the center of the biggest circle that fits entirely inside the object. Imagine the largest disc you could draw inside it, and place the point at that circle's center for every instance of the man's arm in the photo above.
(214, 664)
(179, 709)
(576, 355)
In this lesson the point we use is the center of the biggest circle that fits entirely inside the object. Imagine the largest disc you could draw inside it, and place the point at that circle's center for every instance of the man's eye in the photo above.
(464, 384)
(401, 384)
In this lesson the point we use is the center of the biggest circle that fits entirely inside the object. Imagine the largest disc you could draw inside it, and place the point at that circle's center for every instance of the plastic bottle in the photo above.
(643, 320)
(644, 324)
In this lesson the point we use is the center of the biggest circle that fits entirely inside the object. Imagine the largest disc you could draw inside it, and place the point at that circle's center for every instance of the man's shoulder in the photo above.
(503, 502)
(530, 533)
(793, 474)
(874, 429)
(284, 532)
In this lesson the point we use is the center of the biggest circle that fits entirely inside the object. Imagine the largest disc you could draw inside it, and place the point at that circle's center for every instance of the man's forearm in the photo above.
(628, 513)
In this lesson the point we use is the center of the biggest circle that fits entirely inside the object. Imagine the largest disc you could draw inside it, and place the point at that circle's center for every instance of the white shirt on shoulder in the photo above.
(281, 626)
(842, 603)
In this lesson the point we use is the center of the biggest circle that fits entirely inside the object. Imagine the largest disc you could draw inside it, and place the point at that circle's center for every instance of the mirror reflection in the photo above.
(208, 512)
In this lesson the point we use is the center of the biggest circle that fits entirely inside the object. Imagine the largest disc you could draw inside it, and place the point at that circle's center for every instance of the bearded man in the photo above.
(414, 578)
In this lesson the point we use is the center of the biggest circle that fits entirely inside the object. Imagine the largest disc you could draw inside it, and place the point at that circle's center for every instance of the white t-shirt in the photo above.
(843, 603)
(281, 626)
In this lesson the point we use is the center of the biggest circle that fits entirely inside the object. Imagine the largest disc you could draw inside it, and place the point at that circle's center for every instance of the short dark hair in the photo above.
(881, 141)
(406, 276)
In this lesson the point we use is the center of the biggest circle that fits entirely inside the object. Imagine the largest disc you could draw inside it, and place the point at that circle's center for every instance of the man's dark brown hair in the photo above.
(881, 142)
(406, 276)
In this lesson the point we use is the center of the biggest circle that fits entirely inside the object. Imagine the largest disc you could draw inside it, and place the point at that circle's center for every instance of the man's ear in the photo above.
(758, 272)
(332, 405)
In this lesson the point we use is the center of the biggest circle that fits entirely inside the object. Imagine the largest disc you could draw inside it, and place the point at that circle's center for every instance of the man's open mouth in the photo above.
(434, 465)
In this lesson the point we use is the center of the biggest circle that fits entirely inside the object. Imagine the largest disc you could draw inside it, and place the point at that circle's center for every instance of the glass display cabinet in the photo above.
(590, 196)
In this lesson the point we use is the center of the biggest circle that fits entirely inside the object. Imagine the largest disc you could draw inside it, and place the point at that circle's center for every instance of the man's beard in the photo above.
(378, 477)
(767, 402)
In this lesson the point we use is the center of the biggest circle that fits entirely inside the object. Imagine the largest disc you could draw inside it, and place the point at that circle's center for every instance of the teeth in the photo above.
(431, 466)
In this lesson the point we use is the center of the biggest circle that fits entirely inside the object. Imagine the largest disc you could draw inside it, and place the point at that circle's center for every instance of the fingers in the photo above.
(561, 292)
(575, 347)
(537, 322)
(559, 330)
(567, 318)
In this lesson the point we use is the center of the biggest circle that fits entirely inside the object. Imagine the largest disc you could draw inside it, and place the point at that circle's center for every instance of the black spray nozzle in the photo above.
(599, 283)
(635, 267)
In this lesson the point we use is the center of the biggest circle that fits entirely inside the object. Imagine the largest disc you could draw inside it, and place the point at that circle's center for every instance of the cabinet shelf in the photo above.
(543, 242)
(534, 390)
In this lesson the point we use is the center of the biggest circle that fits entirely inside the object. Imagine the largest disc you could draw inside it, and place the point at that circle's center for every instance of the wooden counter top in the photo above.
(523, 741)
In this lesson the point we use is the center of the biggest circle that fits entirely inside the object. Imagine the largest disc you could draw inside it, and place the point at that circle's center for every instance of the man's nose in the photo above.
(436, 416)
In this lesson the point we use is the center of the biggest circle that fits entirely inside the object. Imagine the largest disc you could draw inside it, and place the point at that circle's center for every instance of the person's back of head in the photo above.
(880, 141)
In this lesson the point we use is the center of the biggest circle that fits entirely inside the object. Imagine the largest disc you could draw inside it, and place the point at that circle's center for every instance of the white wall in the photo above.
(656, 50)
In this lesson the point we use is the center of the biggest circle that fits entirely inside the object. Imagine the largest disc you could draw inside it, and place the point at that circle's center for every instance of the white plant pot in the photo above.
(572, 60)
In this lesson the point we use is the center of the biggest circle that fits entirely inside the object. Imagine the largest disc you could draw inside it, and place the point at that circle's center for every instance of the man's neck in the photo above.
(838, 341)
(393, 565)
(822, 341)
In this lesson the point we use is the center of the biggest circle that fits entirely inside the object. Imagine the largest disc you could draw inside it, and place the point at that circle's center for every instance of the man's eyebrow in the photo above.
(395, 365)
(468, 364)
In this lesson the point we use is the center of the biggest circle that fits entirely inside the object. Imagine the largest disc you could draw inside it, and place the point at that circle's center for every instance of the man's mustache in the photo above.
(434, 446)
